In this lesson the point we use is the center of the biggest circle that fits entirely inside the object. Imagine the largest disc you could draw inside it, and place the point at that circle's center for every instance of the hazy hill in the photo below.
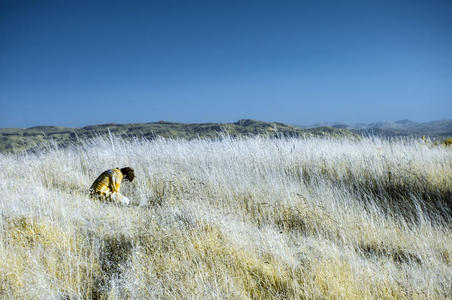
(18, 139)
(398, 128)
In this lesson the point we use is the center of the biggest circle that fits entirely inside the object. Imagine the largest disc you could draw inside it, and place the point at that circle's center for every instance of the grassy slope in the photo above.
(16, 139)
(246, 218)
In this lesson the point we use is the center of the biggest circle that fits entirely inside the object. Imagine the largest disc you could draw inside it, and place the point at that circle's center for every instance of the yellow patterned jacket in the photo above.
(107, 185)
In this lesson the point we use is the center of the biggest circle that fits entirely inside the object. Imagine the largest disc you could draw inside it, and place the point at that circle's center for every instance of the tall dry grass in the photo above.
(231, 218)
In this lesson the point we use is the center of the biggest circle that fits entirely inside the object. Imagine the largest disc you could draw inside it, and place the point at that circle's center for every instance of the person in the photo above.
(106, 186)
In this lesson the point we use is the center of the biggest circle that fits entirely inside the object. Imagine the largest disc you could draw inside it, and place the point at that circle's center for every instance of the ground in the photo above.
(230, 218)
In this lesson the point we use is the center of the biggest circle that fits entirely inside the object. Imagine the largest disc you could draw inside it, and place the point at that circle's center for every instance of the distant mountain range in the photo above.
(19, 139)
(392, 129)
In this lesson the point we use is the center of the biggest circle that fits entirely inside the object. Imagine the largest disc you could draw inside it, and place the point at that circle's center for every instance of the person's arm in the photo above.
(116, 195)
(115, 183)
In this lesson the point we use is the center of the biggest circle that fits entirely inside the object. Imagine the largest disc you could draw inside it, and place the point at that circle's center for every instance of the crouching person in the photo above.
(106, 186)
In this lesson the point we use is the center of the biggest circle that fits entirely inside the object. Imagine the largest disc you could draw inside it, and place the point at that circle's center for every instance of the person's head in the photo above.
(128, 173)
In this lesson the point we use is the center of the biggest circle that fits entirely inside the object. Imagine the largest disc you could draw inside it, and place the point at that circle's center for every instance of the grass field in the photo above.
(247, 218)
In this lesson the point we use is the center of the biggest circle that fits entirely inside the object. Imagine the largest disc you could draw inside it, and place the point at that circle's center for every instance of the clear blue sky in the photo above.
(75, 63)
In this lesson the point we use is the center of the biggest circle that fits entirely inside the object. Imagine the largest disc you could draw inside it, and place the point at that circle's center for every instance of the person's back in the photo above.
(106, 187)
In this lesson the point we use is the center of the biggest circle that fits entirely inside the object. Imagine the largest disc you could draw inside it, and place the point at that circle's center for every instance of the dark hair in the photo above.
(128, 173)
